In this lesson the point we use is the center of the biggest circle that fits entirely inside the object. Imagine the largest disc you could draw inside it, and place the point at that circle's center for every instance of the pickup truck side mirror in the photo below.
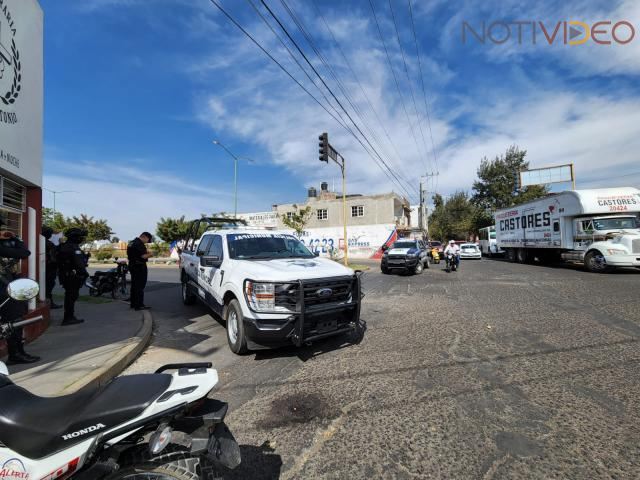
(317, 254)
(210, 261)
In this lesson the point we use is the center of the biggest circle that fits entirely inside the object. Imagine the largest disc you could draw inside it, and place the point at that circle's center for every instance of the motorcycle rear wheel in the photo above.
(172, 464)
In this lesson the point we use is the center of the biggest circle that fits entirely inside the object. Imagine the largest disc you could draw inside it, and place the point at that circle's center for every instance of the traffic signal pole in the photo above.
(326, 152)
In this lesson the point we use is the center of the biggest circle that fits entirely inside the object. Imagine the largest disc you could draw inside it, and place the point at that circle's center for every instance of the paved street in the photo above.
(497, 371)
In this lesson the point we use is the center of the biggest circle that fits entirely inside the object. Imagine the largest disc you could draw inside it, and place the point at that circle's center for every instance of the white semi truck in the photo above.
(599, 227)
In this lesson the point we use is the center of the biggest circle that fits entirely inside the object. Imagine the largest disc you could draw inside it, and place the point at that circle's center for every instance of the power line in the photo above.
(286, 32)
(357, 79)
(248, 35)
(406, 71)
(424, 94)
(300, 24)
(404, 107)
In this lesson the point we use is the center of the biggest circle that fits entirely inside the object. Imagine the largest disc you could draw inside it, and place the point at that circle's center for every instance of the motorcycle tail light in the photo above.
(160, 439)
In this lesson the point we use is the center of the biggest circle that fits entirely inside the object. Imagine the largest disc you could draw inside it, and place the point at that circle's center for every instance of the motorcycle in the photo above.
(120, 430)
(435, 255)
(112, 281)
(451, 262)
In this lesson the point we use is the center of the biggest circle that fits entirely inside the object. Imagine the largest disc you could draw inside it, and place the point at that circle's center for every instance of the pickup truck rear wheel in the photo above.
(188, 298)
(235, 328)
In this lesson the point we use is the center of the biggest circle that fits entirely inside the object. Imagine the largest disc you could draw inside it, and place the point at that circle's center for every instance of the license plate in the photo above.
(326, 325)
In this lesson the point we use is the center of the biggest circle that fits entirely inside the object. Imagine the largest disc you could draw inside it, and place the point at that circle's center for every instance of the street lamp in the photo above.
(56, 192)
(235, 175)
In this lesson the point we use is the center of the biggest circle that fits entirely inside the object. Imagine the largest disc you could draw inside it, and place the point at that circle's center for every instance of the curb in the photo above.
(127, 354)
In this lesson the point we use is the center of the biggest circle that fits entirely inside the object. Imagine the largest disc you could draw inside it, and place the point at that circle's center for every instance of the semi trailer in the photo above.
(598, 227)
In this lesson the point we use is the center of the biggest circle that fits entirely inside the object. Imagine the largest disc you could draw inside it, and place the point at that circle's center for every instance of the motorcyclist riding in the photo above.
(454, 250)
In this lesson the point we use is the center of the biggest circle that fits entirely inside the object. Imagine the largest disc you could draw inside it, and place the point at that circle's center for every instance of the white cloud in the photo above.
(133, 198)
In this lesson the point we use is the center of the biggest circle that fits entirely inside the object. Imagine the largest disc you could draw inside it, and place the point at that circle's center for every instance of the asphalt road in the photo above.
(497, 371)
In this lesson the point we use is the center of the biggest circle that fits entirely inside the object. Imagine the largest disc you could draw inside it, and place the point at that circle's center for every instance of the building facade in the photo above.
(372, 221)
(21, 105)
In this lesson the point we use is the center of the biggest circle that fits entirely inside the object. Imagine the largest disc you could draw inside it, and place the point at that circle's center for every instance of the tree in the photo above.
(115, 240)
(172, 229)
(454, 218)
(96, 229)
(298, 219)
(495, 187)
(54, 220)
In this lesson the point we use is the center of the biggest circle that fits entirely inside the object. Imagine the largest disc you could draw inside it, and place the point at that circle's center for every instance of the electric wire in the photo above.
(300, 24)
(424, 96)
(304, 56)
(413, 97)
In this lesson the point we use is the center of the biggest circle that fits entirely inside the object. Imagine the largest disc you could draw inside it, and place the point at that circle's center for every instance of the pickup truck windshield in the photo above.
(265, 246)
(614, 223)
(404, 245)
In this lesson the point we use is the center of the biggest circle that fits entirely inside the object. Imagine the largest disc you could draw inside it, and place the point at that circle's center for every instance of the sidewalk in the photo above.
(93, 352)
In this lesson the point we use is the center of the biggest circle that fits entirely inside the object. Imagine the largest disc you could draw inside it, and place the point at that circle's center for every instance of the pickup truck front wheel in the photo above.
(235, 328)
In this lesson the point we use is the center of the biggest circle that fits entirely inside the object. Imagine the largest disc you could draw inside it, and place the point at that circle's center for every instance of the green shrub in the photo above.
(105, 253)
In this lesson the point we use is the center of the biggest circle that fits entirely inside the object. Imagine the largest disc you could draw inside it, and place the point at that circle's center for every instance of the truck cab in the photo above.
(267, 286)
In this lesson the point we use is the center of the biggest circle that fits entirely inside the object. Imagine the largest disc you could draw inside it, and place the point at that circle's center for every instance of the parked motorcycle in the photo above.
(451, 264)
(112, 281)
(121, 430)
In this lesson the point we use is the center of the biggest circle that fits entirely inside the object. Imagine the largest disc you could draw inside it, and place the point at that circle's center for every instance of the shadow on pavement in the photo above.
(258, 463)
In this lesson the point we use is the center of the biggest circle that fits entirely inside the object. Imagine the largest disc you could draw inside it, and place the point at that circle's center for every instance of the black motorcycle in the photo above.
(451, 262)
(112, 281)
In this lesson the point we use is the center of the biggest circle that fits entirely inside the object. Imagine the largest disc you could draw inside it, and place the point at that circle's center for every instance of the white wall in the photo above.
(363, 240)
(21, 38)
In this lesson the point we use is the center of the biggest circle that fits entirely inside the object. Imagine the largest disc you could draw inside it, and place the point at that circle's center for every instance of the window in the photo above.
(204, 245)
(357, 211)
(289, 215)
(322, 214)
(215, 250)
(587, 225)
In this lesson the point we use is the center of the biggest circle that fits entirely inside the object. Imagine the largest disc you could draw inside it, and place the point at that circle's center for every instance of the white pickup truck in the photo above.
(267, 286)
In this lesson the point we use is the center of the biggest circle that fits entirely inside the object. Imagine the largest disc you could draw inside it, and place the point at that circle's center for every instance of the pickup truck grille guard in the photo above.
(303, 309)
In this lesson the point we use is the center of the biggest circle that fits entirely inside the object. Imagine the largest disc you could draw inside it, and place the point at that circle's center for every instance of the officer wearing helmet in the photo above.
(72, 269)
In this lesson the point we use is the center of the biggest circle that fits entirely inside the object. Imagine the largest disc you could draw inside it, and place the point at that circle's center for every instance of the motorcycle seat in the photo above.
(108, 272)
(36, 427)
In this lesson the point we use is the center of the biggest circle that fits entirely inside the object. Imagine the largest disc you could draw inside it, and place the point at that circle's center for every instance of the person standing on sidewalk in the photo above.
(12, 249)
(52, 265)
(138, 256)
(72, 266)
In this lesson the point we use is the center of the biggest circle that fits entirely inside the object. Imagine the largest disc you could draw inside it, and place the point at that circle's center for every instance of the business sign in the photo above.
(543, 176)
(21, 90)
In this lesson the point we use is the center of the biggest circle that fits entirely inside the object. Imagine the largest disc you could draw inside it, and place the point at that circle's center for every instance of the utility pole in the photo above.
(55, 193)
(423, 218)
(327, 152)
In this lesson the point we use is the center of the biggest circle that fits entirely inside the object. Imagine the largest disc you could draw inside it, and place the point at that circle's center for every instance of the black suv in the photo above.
(408, 255)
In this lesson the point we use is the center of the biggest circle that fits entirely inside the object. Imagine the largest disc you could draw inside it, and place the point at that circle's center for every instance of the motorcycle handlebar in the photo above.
(28, 321)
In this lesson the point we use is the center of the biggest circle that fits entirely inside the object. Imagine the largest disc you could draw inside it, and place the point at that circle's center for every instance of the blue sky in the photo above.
(136, 90)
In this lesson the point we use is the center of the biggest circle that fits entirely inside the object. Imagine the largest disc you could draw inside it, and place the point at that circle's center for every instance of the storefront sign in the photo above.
(21, 90)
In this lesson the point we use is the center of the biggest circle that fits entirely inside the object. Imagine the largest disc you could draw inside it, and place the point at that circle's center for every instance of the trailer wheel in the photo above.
(595, 262)
(511, 254)
(522, 255)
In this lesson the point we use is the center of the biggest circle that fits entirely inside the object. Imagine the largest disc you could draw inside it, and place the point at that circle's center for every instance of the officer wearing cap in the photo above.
(12, 249)
(72, 268)
(138, 256)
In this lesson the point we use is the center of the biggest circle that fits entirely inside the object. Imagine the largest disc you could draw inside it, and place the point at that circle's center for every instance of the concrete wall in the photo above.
(377, 210)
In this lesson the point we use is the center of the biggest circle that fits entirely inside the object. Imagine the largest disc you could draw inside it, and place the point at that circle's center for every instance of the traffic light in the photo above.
(324, 147)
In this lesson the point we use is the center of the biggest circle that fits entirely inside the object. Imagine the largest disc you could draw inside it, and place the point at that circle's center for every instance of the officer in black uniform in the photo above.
(52, 265)
(72, 268)
(138, 256)
(12, 249)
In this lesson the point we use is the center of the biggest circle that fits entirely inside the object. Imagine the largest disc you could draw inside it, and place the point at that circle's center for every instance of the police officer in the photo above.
(138, 256)
(72, 268)
(52, 265)
(12, 249)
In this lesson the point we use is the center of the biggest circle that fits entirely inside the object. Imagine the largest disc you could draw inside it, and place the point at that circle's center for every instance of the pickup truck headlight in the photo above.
(616, 251)
(261, 297)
